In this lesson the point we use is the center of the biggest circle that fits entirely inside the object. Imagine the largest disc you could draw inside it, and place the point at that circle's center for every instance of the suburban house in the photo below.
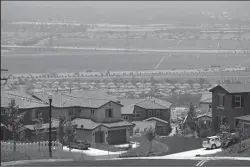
(204, 121)
(206, 102)
(230, 104)
(96, 120)
(26, 104)
(150, 109)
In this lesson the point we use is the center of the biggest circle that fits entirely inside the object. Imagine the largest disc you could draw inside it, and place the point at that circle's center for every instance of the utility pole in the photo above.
(4, 79)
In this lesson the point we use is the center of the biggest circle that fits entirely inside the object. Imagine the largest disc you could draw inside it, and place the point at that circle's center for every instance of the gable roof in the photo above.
(233, 88)
(22, 100)
(91, 94)
(206, 98)
(152, 103)
(204, 115)
(90, 125)
(127, 109)
(156, 119)
(244, 118)
(61, 101)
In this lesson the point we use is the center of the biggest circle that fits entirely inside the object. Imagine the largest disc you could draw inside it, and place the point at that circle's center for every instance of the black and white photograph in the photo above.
(125, 83)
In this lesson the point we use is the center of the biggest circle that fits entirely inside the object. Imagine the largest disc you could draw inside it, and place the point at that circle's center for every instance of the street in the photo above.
(146, 162)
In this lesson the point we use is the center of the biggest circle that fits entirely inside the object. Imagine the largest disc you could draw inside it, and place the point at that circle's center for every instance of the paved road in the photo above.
(128, 50)
(145, 162)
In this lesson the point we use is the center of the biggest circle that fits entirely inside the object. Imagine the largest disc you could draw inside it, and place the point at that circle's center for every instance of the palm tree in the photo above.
(150, 135)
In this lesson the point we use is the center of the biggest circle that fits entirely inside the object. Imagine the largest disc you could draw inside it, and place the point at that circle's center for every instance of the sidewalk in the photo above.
(32, 161)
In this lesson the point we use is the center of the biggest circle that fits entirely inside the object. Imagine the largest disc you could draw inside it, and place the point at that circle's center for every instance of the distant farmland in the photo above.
(100, 61)
(152, 43)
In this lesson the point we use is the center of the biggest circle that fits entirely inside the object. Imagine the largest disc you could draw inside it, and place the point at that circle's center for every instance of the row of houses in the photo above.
(225, 105)
(97, 116)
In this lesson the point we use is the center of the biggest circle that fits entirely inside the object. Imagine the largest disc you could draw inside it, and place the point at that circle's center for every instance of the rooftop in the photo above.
(244, 118)
(61, 100)
(234, 88)
(206, 98)
(22, 100)
(89, 124)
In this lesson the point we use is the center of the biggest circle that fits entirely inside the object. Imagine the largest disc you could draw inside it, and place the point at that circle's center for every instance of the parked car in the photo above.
(79, 144)
(212, 142)
(229, 142)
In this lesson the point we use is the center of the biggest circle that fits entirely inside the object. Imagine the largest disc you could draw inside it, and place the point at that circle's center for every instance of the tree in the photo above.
(134, 80)
(15, 124)
(70, 133)
(150, 135)
(60, 130)
(191, 118)
(242, 135)
(39, 130)
(152, 80)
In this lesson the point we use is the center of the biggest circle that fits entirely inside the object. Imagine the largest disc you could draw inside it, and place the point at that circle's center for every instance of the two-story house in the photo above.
(150, 109)
(26, 104)
(97, 120)
(206, 102)
(229, 104)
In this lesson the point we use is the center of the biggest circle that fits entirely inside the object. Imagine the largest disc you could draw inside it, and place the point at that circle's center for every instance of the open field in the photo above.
(122, 61)
(152, 43)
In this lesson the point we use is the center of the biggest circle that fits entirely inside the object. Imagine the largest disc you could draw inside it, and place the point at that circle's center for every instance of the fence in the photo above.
(23, 147)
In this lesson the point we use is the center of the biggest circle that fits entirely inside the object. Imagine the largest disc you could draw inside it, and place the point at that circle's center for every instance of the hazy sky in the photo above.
(42, 10)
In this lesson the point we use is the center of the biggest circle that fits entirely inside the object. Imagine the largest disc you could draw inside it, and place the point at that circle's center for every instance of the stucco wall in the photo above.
(228, 111)
(100, 113)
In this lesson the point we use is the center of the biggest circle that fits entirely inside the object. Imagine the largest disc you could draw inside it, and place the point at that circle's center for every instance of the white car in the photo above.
(212, 142)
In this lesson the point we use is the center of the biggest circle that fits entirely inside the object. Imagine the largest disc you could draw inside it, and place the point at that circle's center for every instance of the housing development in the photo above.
(133, 85)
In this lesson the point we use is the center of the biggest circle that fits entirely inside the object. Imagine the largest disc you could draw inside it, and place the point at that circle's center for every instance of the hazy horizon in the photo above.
(109, 11)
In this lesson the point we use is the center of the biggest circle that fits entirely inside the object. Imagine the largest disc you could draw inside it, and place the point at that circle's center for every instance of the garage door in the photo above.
(117, 136)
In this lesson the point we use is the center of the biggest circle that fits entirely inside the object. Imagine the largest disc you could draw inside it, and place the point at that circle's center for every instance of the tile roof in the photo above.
(149, 104)
(23, 100)
(55, 124)
(244, 118)
(89, 124)
(61, 101)
(206, 98)
(234, 88)
(127, 110)
(152, 103)
(91, 94)
(204, 115)
(117, 124)
(156, 119)
(142, 125)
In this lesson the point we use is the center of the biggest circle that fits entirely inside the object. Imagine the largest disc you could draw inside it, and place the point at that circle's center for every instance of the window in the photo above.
(137, 114)
(237, 123)
(92, 112)
(125, 117)
(224, 120)
(150, 113)
(210, 106)
(70, 112)
(221, 100)
(78, 110)
(3, 112)
(158, 113)
(109, 113)
(237, 101)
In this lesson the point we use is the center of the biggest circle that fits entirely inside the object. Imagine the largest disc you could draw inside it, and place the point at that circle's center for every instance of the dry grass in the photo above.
(234, 151)
(158, 148)
(7, 156)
